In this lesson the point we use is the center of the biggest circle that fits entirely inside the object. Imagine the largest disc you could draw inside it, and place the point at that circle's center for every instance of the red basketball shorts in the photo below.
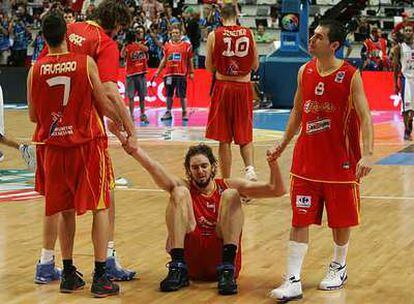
(231, 112)
(76, 178)
(308, 199)
(203, 254)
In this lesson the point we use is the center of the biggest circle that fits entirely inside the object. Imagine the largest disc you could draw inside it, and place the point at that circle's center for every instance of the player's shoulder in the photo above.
(309, 66)
(348, 67)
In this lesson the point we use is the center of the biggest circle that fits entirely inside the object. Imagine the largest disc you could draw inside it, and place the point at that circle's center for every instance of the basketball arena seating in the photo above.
(383, 13)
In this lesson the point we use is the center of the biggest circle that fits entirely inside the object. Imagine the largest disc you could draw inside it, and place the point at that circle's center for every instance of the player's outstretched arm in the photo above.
(273, 188)
(32, 111)
(294, 119)
(364, 166)
(104, 105)
(111, 91)
(161, 177)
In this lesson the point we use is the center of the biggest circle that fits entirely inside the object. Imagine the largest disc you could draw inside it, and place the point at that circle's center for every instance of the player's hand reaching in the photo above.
(275, 152)
(270, 158)
(117, 131)
(128, 143)
(364, 167)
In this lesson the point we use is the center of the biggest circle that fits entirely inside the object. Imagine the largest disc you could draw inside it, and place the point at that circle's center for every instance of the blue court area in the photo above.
(398, 159)
(404, 157)
(271, 119)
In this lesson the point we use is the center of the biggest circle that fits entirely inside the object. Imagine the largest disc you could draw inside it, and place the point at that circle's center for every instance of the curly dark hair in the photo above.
(111, 13)
(202, 149)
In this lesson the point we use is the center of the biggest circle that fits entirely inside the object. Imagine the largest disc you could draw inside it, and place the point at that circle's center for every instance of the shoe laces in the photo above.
(287, 280)
(333, 271)
(174, 271)
(75, 271)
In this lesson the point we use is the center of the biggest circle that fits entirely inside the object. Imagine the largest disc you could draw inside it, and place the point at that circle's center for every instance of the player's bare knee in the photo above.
(179, 196)
(231, 197)
(67, 213)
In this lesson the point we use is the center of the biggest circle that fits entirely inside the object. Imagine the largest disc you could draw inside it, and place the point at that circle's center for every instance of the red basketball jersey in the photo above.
(62, 97)
(376, 50)
(136, 59)
(328, 146)
(206, 207)
(89, 38)
(233, 53)
(177, 56)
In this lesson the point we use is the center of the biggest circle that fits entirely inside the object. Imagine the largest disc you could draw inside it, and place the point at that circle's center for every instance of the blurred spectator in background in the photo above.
(363, 28)
(211, 17)
(374, 52)
(4, 39)
(154, 42)
(69, 16)
(340, 53)
(89, 11)
(22, 14)
(38, 44)
(397, 33)
(261, 35)
(178, 63)
(20, 32)
(169, 15)
(152, 9)
(193, 32)
(135, 53)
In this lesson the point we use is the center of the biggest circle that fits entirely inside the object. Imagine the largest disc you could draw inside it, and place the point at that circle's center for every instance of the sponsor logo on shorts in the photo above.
(346, 165)
(313, 127)
(303, 201)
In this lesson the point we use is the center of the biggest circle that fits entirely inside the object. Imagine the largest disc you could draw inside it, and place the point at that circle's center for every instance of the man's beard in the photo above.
(202, 185)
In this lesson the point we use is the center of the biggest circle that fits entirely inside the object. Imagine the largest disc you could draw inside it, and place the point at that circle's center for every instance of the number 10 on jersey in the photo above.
(241, 47)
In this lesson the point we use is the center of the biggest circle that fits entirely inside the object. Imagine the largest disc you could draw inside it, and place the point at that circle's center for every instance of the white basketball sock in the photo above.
(296, 254)
(340, 253)
(110, 249)
(46, 256)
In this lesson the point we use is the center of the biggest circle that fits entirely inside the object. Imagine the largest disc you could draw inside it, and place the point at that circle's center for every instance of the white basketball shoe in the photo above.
(291, 289)
(335, 277)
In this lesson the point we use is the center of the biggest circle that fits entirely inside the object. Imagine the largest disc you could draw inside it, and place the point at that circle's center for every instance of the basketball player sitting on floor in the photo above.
(204, 216)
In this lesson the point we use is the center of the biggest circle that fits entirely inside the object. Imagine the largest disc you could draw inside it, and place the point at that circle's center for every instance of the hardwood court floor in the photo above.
(380, 255)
